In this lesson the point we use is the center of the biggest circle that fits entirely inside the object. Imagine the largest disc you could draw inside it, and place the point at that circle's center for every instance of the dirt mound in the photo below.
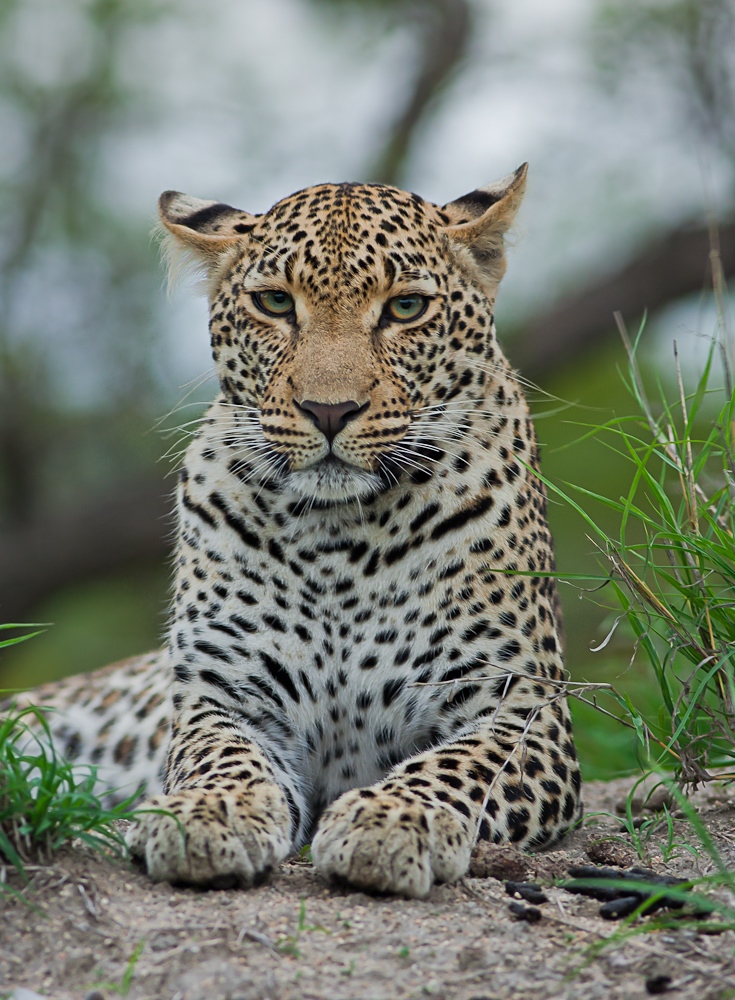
(106, 931)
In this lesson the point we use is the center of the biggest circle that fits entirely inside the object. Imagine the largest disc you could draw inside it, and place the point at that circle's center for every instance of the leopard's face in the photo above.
(348, 329)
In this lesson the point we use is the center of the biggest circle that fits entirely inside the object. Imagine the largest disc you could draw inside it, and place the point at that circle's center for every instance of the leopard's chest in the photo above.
(348, 638)
(333, 653)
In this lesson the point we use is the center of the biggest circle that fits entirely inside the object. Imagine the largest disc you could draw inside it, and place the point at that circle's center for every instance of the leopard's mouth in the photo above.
(334, 481)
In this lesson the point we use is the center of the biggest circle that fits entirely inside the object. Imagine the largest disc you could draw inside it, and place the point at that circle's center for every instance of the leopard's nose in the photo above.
(330, 418)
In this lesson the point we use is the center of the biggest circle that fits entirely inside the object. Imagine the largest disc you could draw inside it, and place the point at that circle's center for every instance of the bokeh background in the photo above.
(624, 108)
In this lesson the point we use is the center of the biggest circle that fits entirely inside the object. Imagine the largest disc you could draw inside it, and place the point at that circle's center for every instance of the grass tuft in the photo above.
(671, 565)
(45, 801)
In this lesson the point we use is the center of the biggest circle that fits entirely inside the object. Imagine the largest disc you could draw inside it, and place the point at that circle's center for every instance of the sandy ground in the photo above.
(101, 929)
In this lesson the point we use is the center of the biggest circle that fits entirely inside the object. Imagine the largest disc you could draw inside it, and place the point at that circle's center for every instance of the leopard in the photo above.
(365, 651)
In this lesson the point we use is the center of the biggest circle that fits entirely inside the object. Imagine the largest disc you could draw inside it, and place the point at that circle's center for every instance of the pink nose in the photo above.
(330, 418)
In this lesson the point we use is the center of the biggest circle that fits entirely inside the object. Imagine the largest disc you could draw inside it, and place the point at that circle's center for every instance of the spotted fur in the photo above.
(364, 647)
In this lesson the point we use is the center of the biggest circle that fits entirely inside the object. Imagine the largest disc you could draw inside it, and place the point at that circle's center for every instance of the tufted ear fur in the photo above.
(479, 221)
(199, 232)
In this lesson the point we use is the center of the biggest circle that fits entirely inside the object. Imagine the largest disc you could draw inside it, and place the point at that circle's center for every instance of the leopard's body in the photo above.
(364, 647)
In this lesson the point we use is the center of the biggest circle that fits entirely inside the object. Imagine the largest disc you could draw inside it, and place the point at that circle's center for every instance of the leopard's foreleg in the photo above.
(230, 812)
(510, 779)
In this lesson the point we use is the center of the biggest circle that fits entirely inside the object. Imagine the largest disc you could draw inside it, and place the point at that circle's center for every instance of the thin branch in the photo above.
(444, 26)
(573, 689)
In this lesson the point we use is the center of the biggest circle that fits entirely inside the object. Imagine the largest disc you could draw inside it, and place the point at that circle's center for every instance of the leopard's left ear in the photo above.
(480, 220)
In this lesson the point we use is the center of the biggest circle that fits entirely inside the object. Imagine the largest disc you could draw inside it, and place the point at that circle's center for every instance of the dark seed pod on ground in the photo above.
(658, 984)
(616, 909)
(593, 891)
(529, 891)
(602, 892)
(528, 913)
(619, 899)
(646, 875)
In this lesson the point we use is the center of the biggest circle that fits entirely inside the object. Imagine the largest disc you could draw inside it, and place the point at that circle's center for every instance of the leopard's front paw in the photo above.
(390, 842)
(212, 838)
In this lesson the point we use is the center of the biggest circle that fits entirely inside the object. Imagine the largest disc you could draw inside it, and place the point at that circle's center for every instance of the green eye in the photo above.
(275, 303)
(405, 307)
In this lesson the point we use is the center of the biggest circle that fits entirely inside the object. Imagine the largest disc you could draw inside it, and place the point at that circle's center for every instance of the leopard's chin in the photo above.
(333, 481)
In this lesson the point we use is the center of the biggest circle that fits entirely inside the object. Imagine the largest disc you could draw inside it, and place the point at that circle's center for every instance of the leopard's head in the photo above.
(345, 322)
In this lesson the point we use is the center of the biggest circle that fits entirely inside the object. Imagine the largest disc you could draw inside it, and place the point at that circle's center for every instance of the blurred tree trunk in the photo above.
(125, 527)
(58, 220)
(444, 28)
(676, 264)
(441, 30)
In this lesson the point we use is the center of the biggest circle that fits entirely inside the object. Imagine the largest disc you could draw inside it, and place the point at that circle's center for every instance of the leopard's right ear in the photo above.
(201, 231)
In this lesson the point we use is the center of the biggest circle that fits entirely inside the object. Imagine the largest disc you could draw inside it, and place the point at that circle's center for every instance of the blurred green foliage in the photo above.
(71, 258)
(689, 44)
(91, 625)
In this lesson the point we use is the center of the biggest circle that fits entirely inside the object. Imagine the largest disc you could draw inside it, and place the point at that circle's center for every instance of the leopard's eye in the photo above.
(405, 307)
(275, 303)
